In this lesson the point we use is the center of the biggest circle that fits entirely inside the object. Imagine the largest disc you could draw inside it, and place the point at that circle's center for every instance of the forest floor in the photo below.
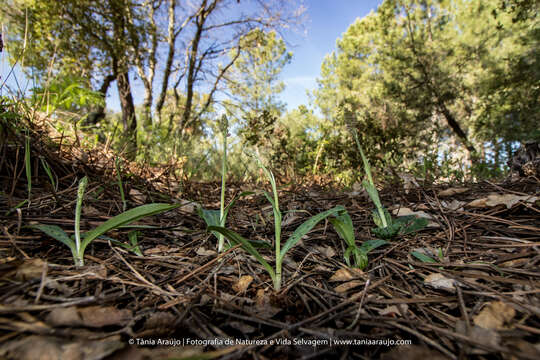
(479, 299)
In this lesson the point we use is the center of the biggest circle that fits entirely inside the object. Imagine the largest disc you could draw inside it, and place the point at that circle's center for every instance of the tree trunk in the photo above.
(456, 128)
(98, 112)
(129, 121)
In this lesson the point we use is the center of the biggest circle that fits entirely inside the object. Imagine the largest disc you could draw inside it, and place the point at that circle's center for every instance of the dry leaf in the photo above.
(495, 315)
(346, 274)
(421, 214)
(242, 284)
(262, 305)
(348, 286)
(92, 316)
(188, 206)
(204, 252)
(439, 281)
(89, 210)
(394, 309)
(490, 338)
(49, 347)
(327, 251)
(137, 196)
(452, 191)
(289, 218)
(159, 320)
(508, 200)
(30, 269)
(454, 204)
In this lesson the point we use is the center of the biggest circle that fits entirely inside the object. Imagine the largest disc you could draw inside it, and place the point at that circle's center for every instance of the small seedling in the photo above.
(387, 227)
(344, 227)
(280, 252)
(79, 242)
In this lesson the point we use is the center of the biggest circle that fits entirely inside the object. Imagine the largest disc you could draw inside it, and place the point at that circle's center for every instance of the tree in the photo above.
(416, 74)
(107, 41)
(253, 81)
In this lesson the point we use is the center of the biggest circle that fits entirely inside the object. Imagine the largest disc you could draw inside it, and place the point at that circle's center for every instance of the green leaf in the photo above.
(134, 241)
(423, 258)
(369, 245)
(246, 245)
(305, 228)
(416, 225)
(210, 217)
(57, 233)
(126, 218)
(344, 227)
(387, 232)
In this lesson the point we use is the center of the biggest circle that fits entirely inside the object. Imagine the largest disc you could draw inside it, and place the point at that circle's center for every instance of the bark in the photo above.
(146, 73)
(126, 102)
(193, 63)
(98, 113)
(129, 120)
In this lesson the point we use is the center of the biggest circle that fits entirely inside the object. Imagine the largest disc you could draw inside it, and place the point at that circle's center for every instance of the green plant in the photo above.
(344, 227)
(48, 170)
(27, 164)
(79, 242)
(387, 227)
(219, 217)
(280, 252)
(133, 245)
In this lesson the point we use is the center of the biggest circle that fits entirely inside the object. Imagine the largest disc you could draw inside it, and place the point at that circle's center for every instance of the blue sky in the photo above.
(327, 21)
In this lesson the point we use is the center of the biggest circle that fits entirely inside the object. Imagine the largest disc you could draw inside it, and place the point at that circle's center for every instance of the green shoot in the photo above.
(120, 184)
(224, 127)
(48, 170)
(19, 205)
(215, 217)
(79, 261)
(280, 252)
(81, 241)
(133, 243)
(28, 165)
(387, 227)
(344, 227)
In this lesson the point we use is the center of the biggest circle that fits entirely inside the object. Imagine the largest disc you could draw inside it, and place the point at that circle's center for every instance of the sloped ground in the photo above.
(479, 300)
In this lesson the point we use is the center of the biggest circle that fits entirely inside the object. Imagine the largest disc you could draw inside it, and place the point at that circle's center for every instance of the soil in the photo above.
(478, 298)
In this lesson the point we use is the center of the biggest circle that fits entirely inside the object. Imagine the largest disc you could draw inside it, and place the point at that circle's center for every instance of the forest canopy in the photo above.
(440, 88)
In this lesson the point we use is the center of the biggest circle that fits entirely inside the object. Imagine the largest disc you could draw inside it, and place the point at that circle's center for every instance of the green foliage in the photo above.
(80, 241)
(66, 93)
(387, 227)
(420, 79)
(280, 252)
(344, 227)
